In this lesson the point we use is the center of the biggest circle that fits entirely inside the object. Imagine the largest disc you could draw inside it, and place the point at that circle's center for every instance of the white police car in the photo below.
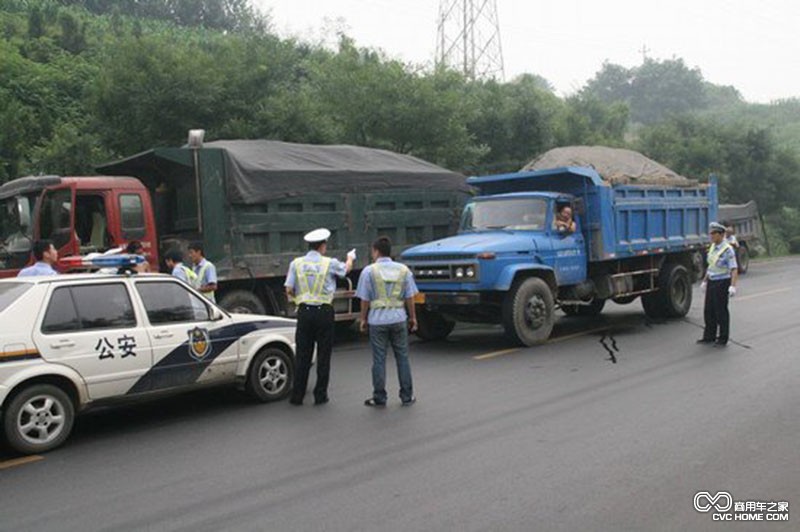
(72, 341)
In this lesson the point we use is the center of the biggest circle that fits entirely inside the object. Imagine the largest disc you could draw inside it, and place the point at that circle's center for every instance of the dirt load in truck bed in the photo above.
(615, 165)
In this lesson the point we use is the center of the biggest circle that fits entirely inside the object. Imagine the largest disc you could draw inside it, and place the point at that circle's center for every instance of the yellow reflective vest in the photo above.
(382, 276)
(305, 292)
(714, 254)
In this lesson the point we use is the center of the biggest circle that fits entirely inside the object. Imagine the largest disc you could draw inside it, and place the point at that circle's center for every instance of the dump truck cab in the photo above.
(495, 234)
(80, 215)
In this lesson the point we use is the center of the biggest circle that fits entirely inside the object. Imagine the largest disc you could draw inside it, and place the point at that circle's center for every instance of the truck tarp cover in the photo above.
(262, 170)
(738, 212)
(617, 166)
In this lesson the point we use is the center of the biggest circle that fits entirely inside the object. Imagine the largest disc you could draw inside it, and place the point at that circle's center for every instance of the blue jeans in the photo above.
(380, 336)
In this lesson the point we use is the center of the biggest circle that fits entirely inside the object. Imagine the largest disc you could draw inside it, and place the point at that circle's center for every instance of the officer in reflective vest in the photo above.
(174, 261)
(205, 271)
(719, 285)
(386, 290)
(311, 284)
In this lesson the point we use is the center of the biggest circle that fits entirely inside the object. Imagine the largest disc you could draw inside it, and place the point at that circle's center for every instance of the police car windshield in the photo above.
(10, 292)
(524, 214)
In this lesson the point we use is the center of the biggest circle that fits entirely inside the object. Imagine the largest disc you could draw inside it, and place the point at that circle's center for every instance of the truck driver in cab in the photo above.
(564, 222)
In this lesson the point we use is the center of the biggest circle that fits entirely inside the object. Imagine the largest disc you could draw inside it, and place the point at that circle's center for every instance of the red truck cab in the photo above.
(80, 215)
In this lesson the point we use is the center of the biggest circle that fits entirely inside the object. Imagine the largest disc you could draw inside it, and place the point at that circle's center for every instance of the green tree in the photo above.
(747, 160)
(655, 90)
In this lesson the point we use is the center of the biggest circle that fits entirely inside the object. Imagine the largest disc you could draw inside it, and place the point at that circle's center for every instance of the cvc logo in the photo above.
(721, 501)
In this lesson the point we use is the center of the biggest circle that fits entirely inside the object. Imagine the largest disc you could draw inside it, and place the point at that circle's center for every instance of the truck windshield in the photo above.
(10, 292)
(523, 214)
(16, 237)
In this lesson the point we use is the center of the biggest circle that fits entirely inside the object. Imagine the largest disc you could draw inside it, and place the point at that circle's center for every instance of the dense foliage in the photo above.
(84, 81)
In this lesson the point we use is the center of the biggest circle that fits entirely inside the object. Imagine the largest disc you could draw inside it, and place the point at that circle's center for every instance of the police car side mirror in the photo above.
(216, 314)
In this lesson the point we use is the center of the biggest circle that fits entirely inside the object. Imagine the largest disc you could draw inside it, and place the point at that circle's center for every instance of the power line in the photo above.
(468, 38)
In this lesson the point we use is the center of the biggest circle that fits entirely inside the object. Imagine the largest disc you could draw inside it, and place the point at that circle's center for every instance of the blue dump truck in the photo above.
(509, 263)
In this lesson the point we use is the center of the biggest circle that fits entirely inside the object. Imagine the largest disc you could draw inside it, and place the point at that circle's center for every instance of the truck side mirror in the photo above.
(24, 213)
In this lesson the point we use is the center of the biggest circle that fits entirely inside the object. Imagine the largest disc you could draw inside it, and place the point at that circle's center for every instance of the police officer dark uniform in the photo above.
(719, 285)
(311, 283)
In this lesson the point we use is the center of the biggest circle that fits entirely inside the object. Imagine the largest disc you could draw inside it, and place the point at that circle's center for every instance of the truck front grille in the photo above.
(462, 273)
(433, 272)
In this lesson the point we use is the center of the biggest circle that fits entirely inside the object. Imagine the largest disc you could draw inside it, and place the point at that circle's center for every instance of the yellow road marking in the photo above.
(496, 354)
(14, 462)
(579, 334)
(760, 294)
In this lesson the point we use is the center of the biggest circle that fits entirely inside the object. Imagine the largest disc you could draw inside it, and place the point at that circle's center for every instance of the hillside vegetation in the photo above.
(85, 81)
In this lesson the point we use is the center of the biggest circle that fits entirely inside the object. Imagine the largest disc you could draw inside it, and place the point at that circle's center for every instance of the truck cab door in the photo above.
(56, 219)
(569, 250)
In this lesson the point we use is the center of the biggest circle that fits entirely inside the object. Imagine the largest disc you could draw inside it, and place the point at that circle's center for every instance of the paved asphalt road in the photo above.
(560, 437)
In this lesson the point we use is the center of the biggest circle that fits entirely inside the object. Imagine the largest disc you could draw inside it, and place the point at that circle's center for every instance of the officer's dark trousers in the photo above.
(314, 327)
(716, 311)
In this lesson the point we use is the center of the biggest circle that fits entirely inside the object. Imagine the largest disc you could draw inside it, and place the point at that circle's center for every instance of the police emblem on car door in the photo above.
(199, 343)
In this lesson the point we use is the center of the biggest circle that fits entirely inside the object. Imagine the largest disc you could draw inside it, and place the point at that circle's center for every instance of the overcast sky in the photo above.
(753, 45)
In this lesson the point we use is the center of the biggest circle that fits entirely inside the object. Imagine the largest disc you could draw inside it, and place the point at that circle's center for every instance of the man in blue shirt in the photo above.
(206, 271)
(386, 290)
(46, 257)
(174, 261)
(719, 285)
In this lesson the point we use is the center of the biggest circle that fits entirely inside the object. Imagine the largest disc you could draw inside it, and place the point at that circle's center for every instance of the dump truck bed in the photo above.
(621, 220)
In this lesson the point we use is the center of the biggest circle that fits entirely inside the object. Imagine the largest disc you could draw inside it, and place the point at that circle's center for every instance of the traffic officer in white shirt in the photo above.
(311, 283)
(719, 285)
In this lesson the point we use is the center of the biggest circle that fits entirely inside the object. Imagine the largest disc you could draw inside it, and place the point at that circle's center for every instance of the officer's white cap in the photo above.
(716, 227)
(317, 235)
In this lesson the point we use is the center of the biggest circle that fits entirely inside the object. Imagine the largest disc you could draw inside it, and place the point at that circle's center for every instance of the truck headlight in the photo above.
(471, 272)
(459, 273)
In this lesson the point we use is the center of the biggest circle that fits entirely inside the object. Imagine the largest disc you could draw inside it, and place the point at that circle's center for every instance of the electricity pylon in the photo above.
(469, 38)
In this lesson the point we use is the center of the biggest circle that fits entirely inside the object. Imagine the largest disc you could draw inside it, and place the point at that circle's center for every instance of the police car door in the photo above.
(189, 347)
(94, 329)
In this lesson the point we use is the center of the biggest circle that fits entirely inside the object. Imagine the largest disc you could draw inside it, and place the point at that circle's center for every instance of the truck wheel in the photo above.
(242, 302)
(528, 312)
(743, 259)
(432, 326)
(38, 419)
(270, 375)
(593, 309)
(674, 296)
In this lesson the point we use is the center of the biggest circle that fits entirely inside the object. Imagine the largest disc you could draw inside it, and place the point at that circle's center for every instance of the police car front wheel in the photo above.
(39, 418)
(270, 375)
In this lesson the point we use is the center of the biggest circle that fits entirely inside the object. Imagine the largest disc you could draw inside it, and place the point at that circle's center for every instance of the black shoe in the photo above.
(704, 341)
(321, 401)
(295, 402)
(373, 403)
(410, 401)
